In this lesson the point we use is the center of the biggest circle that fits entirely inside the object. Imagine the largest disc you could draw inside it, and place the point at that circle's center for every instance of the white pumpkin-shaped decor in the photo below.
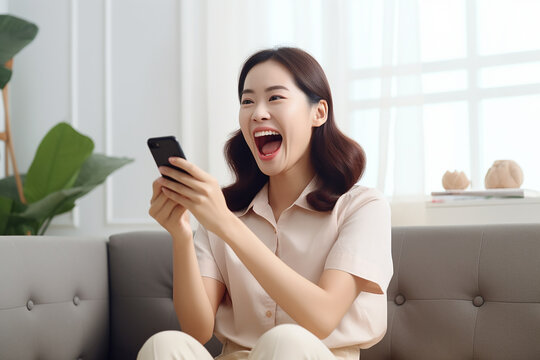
(455, 180)
(504, 174)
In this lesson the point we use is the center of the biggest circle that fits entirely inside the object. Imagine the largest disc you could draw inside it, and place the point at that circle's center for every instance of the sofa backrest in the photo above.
(54, 300)
(470, 292)
(140, 265)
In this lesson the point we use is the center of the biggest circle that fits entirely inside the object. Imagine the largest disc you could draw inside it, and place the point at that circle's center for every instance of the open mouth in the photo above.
(268, 142)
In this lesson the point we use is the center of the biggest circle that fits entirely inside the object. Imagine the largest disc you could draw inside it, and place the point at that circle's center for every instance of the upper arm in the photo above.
(342, 289)
(363, 247)
(360, 259)
(215, 291)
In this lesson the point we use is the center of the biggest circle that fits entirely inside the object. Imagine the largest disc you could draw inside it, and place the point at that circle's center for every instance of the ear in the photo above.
(320, 114)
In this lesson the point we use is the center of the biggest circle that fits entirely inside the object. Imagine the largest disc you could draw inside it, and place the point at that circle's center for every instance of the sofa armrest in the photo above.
(54, 301)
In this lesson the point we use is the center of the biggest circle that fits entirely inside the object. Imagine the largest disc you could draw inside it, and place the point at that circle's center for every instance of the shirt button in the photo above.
(268, 314)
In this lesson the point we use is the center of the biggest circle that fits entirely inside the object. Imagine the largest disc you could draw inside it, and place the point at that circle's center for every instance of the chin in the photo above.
(269, 169)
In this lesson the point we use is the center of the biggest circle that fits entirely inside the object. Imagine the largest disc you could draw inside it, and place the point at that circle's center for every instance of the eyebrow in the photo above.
(271, 88)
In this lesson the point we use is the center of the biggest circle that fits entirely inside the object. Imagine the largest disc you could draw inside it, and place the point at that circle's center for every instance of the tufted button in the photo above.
(30, 305)
(268, 314)
(478, 301)
(399, 299)
(76, 300)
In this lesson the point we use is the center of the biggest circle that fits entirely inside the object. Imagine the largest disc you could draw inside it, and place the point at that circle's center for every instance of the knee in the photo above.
(290, 341)
(168, 344)
(288, 333)
(165, 337)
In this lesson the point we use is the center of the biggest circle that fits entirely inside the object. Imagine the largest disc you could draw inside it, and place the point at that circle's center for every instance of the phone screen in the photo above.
(162, 148)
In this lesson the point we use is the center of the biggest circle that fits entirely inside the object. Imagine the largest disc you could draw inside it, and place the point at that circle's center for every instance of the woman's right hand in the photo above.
(169, 214)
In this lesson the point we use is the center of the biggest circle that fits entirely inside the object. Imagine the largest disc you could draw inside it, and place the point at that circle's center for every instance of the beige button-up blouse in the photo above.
(354, 237)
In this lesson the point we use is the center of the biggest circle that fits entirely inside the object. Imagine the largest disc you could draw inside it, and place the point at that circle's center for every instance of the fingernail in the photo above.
(176, 159)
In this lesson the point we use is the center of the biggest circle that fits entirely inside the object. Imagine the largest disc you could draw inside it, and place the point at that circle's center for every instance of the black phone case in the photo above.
(162, 148)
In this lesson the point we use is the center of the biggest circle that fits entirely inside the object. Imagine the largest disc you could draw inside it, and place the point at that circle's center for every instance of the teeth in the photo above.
(265, 133)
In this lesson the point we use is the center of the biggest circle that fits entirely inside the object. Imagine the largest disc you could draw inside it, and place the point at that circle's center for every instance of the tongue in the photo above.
(271, 147)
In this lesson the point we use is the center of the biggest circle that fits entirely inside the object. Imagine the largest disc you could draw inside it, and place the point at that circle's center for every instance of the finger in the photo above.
(178, 198)
(156, 189)
(191, 168)
(189, 182)
(178, 212)
(172, 173)
(158, 203)
(179, 188)
(168, 207)
(176, 175)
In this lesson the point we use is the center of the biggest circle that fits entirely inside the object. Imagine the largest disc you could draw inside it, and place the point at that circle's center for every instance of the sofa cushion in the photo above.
(140, 266)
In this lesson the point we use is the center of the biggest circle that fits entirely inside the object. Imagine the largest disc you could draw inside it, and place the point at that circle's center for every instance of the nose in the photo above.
(260, 113)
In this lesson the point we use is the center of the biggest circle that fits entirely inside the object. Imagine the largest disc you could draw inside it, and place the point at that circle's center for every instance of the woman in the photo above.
(292, 241)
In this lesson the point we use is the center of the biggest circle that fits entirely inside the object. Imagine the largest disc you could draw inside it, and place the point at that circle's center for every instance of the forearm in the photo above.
(191, 302)
(307, 303)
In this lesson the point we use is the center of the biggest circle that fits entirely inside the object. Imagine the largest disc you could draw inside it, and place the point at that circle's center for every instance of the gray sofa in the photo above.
(457, 293)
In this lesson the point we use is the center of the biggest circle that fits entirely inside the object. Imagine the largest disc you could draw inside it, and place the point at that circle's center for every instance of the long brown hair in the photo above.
(338, 161)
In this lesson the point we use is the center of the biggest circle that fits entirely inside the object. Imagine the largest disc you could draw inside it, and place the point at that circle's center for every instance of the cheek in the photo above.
(243, 121)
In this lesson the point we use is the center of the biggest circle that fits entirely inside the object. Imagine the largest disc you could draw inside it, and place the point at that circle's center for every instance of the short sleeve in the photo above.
(363, 245)
(207, 263)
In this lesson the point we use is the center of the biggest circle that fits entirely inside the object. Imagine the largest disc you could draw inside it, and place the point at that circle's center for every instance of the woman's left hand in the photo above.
(198, 192)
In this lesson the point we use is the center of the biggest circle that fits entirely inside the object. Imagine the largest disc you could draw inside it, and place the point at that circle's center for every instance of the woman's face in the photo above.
(276, 119)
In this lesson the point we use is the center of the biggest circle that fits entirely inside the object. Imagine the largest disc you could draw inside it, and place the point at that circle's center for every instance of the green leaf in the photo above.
(18, 225)
(11, 222)
(5, 76)
(8, 187)
(57, 162)
(96, 169)
(46, 207)
(15, 34)
(5, 210)
(67, 205)
(93, 172)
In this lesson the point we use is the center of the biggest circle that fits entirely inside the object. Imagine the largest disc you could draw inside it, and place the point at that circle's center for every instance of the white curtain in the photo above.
(345, 36)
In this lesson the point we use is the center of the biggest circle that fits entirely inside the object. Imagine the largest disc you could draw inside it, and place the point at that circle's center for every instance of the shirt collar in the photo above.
(260, 201)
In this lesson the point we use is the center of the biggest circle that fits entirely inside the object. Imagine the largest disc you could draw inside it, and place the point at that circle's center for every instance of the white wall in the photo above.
(111, 68)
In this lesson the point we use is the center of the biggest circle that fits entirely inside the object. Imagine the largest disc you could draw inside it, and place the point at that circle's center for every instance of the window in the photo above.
(436, 85)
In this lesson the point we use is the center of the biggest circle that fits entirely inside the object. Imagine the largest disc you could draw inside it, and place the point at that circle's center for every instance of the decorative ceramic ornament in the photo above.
(504, 174)
(456, 180)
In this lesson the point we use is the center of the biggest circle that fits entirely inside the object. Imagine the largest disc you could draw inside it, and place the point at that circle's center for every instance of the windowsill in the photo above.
(421, 211)
(484, 202)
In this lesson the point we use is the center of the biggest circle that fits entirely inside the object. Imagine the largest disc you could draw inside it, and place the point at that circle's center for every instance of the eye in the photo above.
(275, 97)
(246, 102)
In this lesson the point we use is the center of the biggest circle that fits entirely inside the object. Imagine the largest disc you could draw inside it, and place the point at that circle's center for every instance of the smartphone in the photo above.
(162, 148)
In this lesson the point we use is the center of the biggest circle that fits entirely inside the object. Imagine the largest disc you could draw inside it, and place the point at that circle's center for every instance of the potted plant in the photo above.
(64, 166)
(64, 169)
